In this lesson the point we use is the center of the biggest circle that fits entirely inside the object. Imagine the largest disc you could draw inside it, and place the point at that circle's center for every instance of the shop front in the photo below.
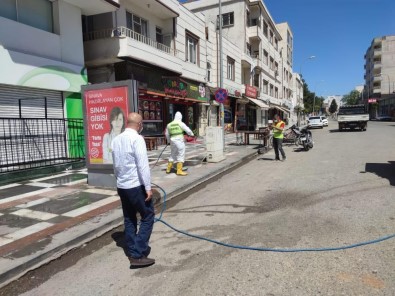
(158, 107)
(230, 109)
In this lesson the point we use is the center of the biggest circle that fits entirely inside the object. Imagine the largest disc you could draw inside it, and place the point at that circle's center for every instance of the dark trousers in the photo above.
(278, 148)
(133, 202)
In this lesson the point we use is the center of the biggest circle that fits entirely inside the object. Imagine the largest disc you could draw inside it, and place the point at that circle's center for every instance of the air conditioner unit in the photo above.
(214, 144)
(117, 33)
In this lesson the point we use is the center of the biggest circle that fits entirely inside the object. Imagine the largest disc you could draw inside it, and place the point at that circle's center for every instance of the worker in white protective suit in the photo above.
(175, 136)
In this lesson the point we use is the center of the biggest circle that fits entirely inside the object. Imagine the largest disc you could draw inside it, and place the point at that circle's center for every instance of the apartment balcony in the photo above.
(376, 65)
(110, 45)
(377, 52)
(95, 6)
(252, 32)
(257, 62)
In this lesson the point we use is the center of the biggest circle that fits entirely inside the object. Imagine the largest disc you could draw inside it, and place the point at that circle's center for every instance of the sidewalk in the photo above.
(42, 219)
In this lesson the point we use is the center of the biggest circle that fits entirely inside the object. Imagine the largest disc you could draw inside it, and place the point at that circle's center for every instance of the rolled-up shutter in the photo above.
(35, 102)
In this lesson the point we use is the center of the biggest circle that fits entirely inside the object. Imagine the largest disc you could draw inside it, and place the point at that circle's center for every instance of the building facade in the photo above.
(380, 76)
(42, 57)
(266, 73)
(161, 45)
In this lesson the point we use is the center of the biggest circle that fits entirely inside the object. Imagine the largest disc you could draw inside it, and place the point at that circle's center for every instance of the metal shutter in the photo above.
(33, 102)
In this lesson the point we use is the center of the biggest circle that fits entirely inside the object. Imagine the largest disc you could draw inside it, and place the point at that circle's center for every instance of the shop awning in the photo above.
(259, 103)
(281, 109)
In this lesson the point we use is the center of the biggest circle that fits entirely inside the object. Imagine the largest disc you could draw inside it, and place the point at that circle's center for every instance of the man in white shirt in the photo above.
(133, 175)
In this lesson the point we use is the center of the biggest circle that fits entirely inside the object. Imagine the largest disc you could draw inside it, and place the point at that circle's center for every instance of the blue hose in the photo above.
(159, 219)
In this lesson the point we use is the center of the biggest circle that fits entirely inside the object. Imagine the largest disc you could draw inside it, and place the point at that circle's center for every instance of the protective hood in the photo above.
(178, 116)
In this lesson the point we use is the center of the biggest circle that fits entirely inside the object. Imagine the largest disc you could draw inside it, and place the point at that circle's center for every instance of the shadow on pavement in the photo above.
(357, 130)
(383, 170)
(119, 239)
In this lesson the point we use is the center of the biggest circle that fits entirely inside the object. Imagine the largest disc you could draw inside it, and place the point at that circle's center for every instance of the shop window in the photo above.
(151, 109)
(34, 13)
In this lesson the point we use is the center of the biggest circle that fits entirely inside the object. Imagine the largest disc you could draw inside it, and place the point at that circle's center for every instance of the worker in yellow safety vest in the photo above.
(278, 136)
(175, 136)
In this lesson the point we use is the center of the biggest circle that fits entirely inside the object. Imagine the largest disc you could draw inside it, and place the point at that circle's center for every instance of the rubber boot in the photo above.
(169, 167)
(180, 172)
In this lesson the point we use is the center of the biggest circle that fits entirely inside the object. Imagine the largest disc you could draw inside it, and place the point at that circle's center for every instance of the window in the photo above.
(276, 43)
(265, 57)
(271, 63)
(227, 19)
(256, 80)
(271, 37)
(34, 13)
(137, 24)
(276, 67)
(265, 86)
(191, 48)
(271, 90)
(265, 29)
(249, 49)
(159, 35)
(276, 92)
(231, 69)
(208, 72)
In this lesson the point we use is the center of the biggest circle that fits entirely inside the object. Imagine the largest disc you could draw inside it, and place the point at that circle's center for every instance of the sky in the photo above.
(337, 33)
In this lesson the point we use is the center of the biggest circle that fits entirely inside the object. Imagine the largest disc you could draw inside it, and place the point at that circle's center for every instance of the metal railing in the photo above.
(123, 32)
(27, 143)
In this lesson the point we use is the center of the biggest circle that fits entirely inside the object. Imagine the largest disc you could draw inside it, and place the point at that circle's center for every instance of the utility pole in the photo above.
(221, 79)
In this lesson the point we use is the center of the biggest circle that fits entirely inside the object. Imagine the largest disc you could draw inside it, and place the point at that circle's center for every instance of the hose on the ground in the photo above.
(263, 249)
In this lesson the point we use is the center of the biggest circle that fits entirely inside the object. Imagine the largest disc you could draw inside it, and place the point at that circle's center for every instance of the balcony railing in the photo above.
(123, 32)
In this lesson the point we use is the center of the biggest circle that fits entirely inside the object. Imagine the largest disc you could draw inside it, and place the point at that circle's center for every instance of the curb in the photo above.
(18, 271)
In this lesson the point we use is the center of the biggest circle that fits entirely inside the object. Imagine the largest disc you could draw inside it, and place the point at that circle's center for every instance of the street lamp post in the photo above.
(301, 77)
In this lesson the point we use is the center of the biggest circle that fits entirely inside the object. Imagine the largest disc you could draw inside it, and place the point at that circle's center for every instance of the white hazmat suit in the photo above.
(175, 136)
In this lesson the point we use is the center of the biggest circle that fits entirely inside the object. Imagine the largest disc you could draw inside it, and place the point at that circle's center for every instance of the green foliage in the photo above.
(333, 107)
(352, 98)
(308, 99)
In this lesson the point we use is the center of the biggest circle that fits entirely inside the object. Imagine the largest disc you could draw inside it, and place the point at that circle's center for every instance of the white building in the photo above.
(163, 46)
(42, 59)
(250, 27)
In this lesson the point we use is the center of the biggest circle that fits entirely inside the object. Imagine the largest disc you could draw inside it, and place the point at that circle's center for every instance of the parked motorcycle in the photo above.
(304, 137)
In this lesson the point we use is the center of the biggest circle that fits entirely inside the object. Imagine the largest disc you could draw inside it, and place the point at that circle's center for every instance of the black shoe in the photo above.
(277, 159)
(284, 159)
(140, 262)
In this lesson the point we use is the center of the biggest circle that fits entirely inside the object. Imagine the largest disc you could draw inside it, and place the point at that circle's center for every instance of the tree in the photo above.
(333, 107)
(352, 98)
(310, 99)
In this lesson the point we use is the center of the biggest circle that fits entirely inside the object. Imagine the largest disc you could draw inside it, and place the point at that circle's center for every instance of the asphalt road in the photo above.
(339, 193)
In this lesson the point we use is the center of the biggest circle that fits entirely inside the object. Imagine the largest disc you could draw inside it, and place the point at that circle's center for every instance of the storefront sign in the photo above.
(106, 111)
(175, 87)
(372, 100)
(251, 91)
